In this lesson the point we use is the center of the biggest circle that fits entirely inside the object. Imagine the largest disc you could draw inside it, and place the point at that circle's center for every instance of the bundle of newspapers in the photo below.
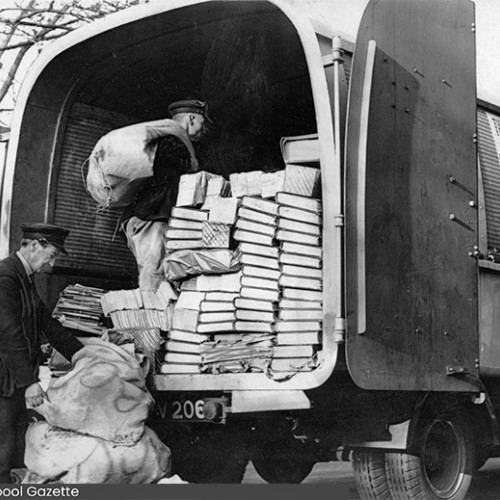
(79, 308)
(141, 316)
(264, 312)
(140, 308)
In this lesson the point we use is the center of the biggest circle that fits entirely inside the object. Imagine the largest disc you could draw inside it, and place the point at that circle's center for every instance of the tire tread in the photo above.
(370, 475)
(405, 473)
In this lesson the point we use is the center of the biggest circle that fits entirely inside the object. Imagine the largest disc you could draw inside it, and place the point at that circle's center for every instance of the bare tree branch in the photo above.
(63, 11)
(10, 36)
(20, 45)
(22, 27)
(4, 88)
(25, 33)
(48, 26)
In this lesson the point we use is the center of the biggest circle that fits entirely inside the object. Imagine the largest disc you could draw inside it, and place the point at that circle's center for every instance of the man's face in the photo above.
(42, 255)
(196, 127)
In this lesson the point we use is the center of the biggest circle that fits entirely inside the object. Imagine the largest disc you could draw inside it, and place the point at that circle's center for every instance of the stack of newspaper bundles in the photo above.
(268, 315)
(281, 253)
(141, 315)
(79, 308)
(204, 308)
(205, 227)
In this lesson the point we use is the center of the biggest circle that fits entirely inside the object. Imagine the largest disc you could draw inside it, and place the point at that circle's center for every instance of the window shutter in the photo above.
(94, 243)
(489, 156)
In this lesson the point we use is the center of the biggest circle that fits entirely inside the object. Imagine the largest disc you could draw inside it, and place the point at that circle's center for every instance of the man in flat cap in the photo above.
(145, 220)
(25, 324)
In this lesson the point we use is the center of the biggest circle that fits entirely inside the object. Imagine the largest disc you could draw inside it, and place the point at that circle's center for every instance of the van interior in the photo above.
(244, 59)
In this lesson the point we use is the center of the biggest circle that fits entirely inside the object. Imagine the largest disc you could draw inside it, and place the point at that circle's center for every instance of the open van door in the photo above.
(411, 206)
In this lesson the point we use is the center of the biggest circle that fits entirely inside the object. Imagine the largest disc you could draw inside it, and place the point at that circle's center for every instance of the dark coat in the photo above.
(25, 323)
(156, 197)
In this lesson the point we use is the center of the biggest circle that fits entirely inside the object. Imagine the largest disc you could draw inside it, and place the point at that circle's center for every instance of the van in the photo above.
(408, 365)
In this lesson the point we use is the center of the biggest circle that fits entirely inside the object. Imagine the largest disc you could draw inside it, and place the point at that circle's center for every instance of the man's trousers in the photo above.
(146, 240)
(13, 422)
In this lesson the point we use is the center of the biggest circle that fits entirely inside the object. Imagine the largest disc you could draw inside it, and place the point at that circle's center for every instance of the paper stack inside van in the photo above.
(79, 308)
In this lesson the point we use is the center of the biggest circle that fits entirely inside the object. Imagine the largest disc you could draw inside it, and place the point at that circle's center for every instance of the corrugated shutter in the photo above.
(93, 243)
(490, 170)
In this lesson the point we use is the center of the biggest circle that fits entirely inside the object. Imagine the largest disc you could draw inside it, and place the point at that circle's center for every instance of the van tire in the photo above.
(213, 456)
(212, 467)
(370, 475)
(283, 470)
(442, 465)
(283, 462)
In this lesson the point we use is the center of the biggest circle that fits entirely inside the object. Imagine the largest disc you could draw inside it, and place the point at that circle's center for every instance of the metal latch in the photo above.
(456, 370)
(477, 254)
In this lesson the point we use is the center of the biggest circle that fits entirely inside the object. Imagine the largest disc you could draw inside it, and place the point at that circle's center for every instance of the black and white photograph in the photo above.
(248, 249)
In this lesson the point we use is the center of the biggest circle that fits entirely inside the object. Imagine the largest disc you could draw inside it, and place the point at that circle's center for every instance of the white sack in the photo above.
(66, 457)
(124, 157)
(104, 395)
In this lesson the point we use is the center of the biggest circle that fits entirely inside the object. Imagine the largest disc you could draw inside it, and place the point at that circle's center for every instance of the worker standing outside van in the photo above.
(25, 324)
(145, 220)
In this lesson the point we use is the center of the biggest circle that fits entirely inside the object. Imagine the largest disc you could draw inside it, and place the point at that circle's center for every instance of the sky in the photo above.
(488, 48)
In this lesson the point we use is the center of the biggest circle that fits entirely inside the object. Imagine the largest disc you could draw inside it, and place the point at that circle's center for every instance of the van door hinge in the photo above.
(339, 220)
(339, 331)
(327, 60)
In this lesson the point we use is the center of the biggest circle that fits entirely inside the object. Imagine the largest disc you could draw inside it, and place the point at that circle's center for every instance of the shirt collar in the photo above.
(25, 264)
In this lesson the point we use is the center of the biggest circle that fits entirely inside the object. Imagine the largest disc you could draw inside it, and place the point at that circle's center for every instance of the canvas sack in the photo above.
(123, 158)
(103, 395)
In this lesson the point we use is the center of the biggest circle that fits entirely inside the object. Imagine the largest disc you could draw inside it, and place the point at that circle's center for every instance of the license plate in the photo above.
(185, 409)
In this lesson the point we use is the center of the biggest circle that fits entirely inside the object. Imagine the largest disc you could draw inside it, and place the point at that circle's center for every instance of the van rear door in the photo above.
(411, 212)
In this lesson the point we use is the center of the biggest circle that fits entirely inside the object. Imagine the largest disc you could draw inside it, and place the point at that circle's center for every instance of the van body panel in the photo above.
(412, 316)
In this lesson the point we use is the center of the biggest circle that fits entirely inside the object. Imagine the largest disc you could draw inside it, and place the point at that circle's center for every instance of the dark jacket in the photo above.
(25, 323)
(156, 197)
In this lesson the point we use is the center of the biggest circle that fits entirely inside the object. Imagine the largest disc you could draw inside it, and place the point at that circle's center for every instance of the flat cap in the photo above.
(189, 106)
(55, 235)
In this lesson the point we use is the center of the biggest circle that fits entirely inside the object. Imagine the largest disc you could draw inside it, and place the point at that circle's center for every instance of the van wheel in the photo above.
(369, 474)
(280, 470)
(443, 465)
(283, 462)
(212, 469)
(210, 458)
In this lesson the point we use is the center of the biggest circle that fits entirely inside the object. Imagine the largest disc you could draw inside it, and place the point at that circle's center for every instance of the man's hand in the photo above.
(46, 349)
(35, 395)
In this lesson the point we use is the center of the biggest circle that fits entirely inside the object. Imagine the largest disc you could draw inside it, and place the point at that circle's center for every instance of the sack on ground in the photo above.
(56, 455)
(123, 158)
(104, 395)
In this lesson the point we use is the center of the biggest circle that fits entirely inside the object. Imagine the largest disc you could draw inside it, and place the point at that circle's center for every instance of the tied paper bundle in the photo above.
(123, 158)
(215, 235)
(184, 263)
(249, 353)
(79, 308)
(142, 309)
(193, 188)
